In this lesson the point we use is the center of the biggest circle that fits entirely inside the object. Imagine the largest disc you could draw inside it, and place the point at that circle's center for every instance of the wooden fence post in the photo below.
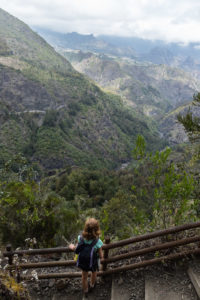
(18, 277)
(10, 256)
(106, 251)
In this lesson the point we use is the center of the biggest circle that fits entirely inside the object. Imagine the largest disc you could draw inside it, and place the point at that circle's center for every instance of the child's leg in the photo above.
(85, 281)
(93, 278)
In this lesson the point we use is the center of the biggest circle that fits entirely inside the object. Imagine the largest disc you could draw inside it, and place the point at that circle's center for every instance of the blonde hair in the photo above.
(91, 229)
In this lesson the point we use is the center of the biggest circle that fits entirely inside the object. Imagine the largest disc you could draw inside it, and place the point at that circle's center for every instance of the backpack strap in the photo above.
(93, 244)
(80, 245)
(81, 240)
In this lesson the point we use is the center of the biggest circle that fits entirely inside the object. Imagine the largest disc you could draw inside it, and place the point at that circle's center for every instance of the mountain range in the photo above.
(157, 84)
(183, 56)
(151, 89)
(154, 78)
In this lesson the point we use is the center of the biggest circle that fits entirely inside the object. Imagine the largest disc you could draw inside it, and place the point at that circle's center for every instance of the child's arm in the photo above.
(100, 253)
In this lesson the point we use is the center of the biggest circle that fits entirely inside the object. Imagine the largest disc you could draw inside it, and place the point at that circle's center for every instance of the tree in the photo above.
(191, 125)
(190, 122)
(173, 196)
(119, 217)
(18, 211)
(169, 188)
(24, 213)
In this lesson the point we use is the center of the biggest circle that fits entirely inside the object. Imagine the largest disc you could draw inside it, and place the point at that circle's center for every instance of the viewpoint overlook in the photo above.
(105, 127)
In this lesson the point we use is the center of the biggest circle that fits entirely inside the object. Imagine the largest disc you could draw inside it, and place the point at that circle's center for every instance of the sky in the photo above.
(168, 20)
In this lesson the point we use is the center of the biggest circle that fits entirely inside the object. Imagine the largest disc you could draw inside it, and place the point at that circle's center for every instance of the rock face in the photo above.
(23, 94)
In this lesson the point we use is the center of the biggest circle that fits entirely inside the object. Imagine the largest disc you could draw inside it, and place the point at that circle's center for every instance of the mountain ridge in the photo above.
(155, 51)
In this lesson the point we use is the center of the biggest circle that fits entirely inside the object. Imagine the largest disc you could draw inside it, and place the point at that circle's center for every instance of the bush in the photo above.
(25, 214)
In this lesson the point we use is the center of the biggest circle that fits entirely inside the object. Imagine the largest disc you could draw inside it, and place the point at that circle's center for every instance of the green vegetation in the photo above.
(153, 193)
(56, 138)
(171, 187)
(27, 211)
(191, 123)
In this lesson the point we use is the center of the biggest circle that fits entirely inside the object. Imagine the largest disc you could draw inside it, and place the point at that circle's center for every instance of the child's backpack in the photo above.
(87, 256)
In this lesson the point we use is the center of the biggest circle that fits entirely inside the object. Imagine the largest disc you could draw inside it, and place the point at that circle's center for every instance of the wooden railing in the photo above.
(193, 240)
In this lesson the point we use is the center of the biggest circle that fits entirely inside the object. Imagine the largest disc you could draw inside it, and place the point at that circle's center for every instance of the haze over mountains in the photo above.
(156, 51)
(53, 114)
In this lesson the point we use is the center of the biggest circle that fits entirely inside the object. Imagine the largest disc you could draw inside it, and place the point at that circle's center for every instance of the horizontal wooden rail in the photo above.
(9, 253)
(38, 251)
(151, 235)
(152, 261)
(53, 275)
(43, 265)
(153, 249)
(125, 242)
(111, 259)
(119, 269)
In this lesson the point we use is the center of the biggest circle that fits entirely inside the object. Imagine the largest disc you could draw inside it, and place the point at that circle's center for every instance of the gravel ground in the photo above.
(131, 283)
(68, 289)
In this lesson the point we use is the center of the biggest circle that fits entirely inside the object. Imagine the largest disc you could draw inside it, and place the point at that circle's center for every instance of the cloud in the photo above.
(167, 20)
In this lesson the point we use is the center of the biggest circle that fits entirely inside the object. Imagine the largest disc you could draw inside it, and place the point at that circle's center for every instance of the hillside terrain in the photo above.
(153, 90)
(53, 114)
(144, 85)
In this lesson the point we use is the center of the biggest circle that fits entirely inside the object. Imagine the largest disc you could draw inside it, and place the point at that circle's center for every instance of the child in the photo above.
(90, 238)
